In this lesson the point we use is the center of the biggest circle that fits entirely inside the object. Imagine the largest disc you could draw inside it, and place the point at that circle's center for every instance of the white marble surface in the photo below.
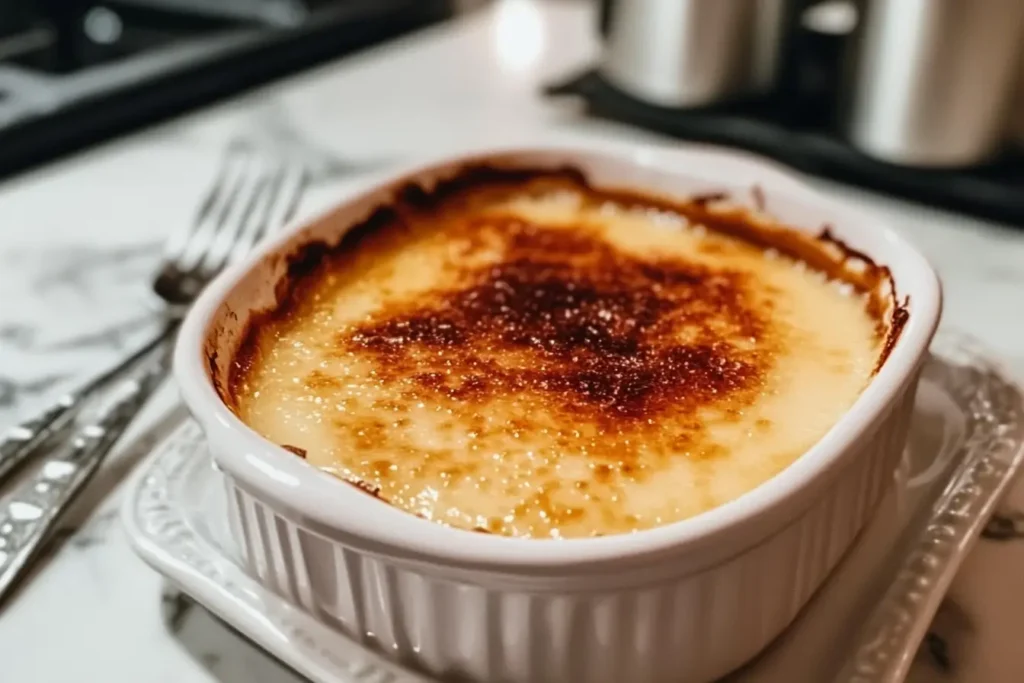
(79, 238)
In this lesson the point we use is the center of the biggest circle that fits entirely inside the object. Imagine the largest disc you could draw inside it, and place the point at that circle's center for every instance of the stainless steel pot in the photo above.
(932, 80)
(687, 53)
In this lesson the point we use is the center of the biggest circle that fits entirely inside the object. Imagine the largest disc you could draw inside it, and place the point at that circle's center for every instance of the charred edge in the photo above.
(878, 303)
(872, 278)
(365, 486)
(870, 281)
(218, 379)
(211, 367)
(415, 196)
(221, 381)
(302, 263)
(481, 530)
(245, 357)
(301, 452)
(848, 252)
(702, 200)
(900, 315)
(756, 230)
(305, 260)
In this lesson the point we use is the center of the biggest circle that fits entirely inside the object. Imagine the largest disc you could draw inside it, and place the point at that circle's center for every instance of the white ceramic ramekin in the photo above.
(686, 602)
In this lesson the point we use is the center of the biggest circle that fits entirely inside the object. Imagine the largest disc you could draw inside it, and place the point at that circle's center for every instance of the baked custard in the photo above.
(522, 354)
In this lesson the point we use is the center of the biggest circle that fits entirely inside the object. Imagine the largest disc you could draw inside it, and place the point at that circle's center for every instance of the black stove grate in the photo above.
(74, 72)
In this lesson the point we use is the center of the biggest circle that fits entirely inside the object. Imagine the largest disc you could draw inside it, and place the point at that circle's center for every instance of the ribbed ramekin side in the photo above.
(693, 628)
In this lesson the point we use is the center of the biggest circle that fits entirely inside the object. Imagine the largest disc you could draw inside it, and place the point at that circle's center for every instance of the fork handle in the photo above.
(32, 512)
(22, 441)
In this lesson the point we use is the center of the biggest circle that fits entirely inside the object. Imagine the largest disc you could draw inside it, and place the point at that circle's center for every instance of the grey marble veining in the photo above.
(68, 312)
(67, 301)
(79, 240)
(226, 654)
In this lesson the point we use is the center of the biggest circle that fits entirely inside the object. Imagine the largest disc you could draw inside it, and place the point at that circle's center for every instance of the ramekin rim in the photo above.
(278, 476)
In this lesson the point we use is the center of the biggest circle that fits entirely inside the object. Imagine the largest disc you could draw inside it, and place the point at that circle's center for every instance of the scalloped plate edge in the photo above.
(992, 453)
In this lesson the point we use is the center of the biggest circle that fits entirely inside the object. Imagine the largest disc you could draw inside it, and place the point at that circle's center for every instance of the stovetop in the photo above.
(76, 71)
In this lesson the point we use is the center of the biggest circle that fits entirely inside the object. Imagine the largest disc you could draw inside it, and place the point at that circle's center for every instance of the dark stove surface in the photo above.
(75, 71)
(66, 37)
(803, 138)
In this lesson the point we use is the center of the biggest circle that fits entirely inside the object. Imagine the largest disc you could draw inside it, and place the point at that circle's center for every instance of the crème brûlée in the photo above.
(522, 354)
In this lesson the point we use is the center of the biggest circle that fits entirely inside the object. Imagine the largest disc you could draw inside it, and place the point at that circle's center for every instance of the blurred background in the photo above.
(918, 98)
(73, 72)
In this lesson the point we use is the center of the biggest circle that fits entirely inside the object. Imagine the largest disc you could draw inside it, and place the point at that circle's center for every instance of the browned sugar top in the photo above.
(467, 351)
(566, 316)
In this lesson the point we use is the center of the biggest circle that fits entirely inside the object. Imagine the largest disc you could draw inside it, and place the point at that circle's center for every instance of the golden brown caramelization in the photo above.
(525, 355)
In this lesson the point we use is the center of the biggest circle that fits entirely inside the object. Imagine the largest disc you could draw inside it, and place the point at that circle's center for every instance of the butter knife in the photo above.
(18, 442)
(32, 511)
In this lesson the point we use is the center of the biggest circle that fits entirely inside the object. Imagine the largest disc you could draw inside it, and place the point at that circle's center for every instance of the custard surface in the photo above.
(541, 361)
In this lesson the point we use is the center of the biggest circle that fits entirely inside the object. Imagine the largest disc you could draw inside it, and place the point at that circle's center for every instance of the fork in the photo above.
(251, 196)
(185, 267)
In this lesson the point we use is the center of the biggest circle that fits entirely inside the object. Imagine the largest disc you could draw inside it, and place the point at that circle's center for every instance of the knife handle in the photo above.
(34, 508)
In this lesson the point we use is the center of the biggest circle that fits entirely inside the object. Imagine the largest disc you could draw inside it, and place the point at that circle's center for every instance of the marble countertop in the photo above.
(79, 239)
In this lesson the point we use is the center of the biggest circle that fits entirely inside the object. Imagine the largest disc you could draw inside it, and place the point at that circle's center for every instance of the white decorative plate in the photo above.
(863, 626)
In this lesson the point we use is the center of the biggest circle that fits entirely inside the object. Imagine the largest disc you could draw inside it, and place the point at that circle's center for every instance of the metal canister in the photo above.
(688, 53)
(932, 80)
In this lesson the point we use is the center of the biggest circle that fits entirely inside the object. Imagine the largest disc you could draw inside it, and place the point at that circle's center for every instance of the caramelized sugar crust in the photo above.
(530, 357)
(577, 324)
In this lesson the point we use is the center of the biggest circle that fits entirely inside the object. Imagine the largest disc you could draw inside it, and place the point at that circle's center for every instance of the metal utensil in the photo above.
(252, 191)
(687, 53)
(251, 196)
(21, 441)
(31, 514)
(932, 80)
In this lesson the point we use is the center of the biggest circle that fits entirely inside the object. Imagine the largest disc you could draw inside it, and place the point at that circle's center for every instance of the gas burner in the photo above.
(75, 71)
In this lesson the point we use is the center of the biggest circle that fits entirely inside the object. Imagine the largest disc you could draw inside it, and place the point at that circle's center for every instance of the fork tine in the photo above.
(231, 229)
(297, 186)
(237, 149)
(174, 247)
(279, 206)
(204, 235)
(259, 219)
